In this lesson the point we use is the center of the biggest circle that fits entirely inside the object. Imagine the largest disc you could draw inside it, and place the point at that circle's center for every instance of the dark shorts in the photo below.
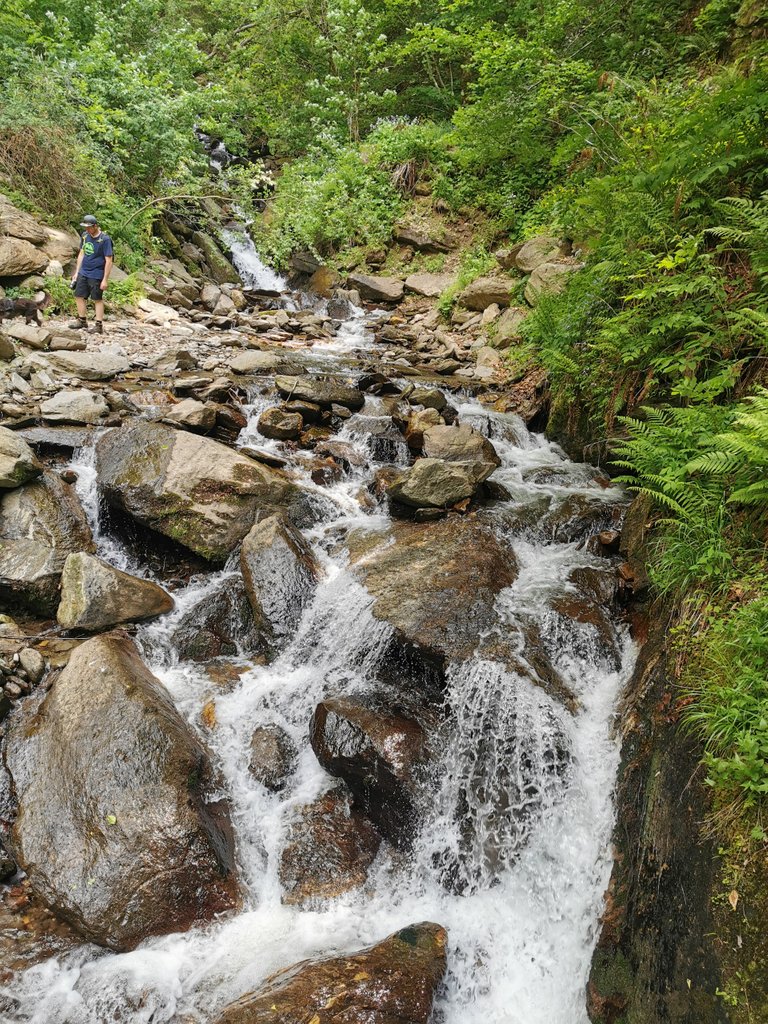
(88, 288)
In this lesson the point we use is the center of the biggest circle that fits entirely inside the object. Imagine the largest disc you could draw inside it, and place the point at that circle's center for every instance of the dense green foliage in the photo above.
(638, 130)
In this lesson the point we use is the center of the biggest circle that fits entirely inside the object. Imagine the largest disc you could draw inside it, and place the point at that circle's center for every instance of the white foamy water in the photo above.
(253, 271)
(513, 853)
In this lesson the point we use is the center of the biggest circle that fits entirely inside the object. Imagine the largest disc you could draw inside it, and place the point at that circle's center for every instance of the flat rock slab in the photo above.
(89, 365)
(378, 289)
(78, 407)
(393, 982)
(320, 391)
(114, 825)
(55, 439)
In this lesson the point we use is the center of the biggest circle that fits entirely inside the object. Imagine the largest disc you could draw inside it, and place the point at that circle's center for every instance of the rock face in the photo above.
(485, 291)
(393, 982)
(328, 850)
(273, 757)
(193, 489)
(321, 392)
(549, 279)
(378, 752)
(113, 824)
(79, 406)
(95, 595)
(280, 574)
(18, 463)
(432, 483)
(436, 585)
(40, 524)
(377, 289)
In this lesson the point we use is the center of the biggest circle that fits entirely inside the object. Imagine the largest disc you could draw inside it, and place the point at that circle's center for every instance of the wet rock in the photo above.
(377, 289)
(40, 524)
(430, 398)
(393, 982)
(7, 865)
(328, 850)
(221, 270)
(433, 483)
(323, 282)
(280, 574)
(436, 585)
(485, 291)
(189, 414)
(273, 757)
(218, 625)
(324, 392)
(79, 406)
(190, 488)
(429, 285)
(550, 279)
(384, 441)
(33, 664)
(55, 440)
(280, 424)
(541, 249)
(579, 516)
(89, 365)
(379, 753)
(105, 756)
(463, 445)
(418, 423)
(96, 595)
(18, 463)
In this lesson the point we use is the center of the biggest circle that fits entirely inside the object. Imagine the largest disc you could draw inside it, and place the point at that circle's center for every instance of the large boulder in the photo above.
(20, 224)
(96, 595)
(114, 826)
(281, 424)
(328, 850)
(393, 982)
(486, 291)
(19, 257)
(436, 585)
(63, 246)
(192, 489)
(40, 525)
(28, 334)
(541, 249)
(78, 406)
(321, 391)
(433, 483)
(464, 445)
(550, 279)
(89, 365)
(379, 752)
(18, 463)
(377, 289)
(430, 285)
(280, 574)
(189, 414)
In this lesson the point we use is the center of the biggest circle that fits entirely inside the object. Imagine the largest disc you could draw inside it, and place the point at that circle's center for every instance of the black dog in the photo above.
(28, 308)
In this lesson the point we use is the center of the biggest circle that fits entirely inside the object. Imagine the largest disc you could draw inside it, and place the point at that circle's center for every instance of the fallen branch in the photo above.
(167, 199)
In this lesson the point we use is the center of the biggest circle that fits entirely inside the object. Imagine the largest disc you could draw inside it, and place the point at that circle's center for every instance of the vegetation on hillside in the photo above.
(639, 130)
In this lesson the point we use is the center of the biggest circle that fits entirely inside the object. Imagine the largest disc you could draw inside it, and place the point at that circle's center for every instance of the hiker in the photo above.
(91, 276)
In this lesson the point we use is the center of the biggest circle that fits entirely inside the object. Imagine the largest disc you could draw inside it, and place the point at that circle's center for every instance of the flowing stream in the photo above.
(527, 881)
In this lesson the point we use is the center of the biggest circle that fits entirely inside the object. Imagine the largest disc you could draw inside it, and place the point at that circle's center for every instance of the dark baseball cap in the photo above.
(88, 221)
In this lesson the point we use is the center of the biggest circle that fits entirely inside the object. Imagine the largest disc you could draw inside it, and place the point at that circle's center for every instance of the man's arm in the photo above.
(78, 264)
(107, 271)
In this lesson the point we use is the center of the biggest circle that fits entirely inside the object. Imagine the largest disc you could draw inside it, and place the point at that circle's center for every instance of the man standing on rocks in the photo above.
(91, 276)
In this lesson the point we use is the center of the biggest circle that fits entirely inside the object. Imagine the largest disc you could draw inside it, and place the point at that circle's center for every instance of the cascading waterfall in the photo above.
(512, 856)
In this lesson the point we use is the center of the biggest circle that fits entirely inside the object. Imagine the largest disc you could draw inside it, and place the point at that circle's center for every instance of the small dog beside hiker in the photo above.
(91, 276)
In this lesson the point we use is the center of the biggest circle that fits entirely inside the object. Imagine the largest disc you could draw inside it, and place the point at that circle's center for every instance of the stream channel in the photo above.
(512, 848)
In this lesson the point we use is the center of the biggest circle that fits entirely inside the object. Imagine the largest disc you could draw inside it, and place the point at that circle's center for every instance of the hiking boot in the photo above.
(98, 328)
(78, 325)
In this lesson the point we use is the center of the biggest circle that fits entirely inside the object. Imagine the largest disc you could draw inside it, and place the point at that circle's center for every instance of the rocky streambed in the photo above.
(311, 661)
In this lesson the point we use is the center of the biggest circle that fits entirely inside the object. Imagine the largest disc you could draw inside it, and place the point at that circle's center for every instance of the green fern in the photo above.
(740, 454)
